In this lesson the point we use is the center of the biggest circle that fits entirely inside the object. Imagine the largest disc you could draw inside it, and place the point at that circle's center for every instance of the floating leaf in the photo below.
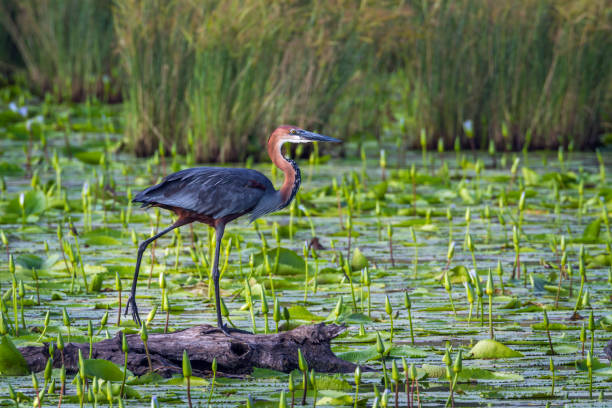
(34, 202)
(492, 349)
(11, 360)
(29, 261)
(531, 177)
(378, 191)
(331, 398)
(470, 373)
(512, 304)
(597, 365)
(195, 381)
(102, 240)
(288, 261)
(360, 356)
(466, 196)
(434, 371)
(104, 369)
(297, 312)
(599, 261)
(332, 382)
(566, 348)
(10, 169)
(407, 351)
(551, 326)
(591, 232)
(93, 157)
(351, 318)
(606, 322)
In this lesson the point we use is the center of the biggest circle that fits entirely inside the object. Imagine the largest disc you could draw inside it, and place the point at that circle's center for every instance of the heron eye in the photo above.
(293, 131)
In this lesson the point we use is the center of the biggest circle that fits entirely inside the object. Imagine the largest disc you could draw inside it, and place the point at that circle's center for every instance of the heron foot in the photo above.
(135, 316)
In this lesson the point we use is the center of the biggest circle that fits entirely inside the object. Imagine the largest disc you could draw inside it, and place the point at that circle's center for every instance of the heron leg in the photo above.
(141, 248)
(219, 230)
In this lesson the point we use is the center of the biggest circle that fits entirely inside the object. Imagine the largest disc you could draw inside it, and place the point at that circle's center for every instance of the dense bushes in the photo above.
(214, 77)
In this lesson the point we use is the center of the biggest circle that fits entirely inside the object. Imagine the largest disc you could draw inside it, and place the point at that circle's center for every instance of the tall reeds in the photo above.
(214, 77)
(530, 73)
(67, 46)
(158, 62)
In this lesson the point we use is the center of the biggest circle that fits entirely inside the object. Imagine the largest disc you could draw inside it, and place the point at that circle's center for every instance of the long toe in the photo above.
(135, 315)
(223, 329)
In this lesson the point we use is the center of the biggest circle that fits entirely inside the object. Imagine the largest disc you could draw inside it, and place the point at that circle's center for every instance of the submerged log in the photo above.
(236, 355)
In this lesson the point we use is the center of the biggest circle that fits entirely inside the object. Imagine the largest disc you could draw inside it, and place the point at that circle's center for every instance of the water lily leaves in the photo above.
(378, 191)
(531, 177)
(606, 322)
(407, 351)
(591, 231)
(360, 356)
(29, 261)
(566, 348)
(350, 318)
(358, 260)
(331, 397)
(552, 326)
(466, 196)
(92, 157)
(599, 261)
(511, 304)
(492, 349)
(470, 373)
(195, 381)
(458, 274)
(288, 261)
(597, 365)
(297, 312)
(434, 371)
(102, 237)
(370, 353)
(102, 240)
(11, 360)
(332, 382)
(104, 369)
(34, 202)
(10, 169)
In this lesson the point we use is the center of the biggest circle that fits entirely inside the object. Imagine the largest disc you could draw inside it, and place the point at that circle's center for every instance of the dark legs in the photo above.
(219, 230)
(141, 248)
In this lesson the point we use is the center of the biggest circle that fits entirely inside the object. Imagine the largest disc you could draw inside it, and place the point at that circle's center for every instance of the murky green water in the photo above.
(106, 246)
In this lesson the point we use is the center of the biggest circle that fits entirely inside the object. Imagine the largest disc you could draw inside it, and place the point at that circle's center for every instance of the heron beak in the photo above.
(315, 137)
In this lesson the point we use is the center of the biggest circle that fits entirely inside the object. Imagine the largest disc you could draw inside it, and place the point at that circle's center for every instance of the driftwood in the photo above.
(236, 355)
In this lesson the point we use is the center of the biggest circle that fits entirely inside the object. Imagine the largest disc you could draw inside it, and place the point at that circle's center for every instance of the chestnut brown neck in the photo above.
(291, 184)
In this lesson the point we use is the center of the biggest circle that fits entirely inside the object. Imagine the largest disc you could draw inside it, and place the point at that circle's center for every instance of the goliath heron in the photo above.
(216, 196)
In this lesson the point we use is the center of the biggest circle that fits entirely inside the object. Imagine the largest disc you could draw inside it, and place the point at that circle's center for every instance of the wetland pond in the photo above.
(454, 221)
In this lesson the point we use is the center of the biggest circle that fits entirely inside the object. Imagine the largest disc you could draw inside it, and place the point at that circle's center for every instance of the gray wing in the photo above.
(212, 191)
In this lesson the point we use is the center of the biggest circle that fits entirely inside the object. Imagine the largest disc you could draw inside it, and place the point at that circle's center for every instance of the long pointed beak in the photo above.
(315, 137)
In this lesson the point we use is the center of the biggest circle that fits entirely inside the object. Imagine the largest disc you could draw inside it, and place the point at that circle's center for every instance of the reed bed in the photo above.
(213, 77)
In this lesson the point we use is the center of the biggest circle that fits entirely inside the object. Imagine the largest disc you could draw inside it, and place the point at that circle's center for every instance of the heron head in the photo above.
(294, 134)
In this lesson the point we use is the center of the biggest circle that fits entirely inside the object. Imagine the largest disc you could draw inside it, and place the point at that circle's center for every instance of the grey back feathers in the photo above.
(218, 192)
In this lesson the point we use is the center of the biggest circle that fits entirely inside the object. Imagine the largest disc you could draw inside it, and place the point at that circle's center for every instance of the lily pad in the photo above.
(104, 369)
(11, 360)
(492, 349)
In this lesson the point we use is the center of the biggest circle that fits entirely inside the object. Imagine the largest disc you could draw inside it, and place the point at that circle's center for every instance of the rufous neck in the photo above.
(291, 182)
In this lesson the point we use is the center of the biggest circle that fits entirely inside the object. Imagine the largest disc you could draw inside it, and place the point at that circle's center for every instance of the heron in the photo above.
(216, 196)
